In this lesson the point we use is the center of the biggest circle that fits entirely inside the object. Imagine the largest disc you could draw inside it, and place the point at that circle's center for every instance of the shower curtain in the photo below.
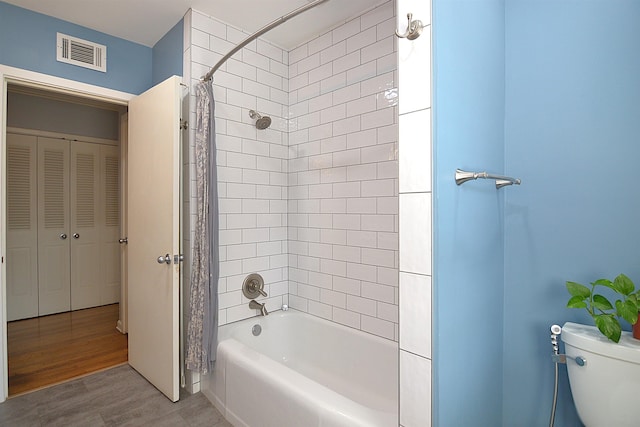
(202, 327)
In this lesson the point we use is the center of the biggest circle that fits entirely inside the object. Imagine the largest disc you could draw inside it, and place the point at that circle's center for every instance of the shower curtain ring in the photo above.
(414, 28)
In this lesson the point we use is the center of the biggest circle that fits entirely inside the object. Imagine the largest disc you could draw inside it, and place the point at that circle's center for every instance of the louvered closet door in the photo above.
(86, 279)
(110, 224)
(53, 226)
(22, 227)
(95, 225)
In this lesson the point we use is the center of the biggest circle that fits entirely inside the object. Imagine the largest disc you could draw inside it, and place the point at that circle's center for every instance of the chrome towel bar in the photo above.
(501, 181)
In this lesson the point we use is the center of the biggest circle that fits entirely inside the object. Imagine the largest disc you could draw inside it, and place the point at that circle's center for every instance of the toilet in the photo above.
(604, 376)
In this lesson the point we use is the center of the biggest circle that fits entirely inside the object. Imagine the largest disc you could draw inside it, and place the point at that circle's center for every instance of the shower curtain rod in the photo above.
(260, 32)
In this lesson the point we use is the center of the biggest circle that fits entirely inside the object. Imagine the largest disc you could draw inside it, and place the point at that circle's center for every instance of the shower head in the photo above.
(262, 122)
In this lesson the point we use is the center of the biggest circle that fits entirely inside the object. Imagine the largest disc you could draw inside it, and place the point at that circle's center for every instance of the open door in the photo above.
(153, 235)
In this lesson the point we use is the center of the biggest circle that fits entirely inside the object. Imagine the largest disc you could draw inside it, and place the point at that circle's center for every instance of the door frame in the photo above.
(23, 77)
(122, 325)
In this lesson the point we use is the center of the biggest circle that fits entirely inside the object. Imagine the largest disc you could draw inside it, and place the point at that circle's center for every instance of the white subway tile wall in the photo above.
(343, 175)
(311, 203)
(252, 164)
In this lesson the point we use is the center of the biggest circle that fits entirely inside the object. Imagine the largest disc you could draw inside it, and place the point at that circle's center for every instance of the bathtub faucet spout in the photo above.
(258, 306)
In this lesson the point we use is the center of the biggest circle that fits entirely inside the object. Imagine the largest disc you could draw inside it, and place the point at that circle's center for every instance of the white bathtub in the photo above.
(303, 371)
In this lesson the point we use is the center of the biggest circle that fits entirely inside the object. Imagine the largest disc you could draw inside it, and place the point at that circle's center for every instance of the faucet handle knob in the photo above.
(261, 291)
(253, 286)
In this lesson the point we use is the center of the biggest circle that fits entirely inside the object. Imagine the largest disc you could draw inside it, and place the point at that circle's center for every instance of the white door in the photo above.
(95, 220)
(22, 227)
(53, 226)
(153, 231)
(86, 279)
(109, 224)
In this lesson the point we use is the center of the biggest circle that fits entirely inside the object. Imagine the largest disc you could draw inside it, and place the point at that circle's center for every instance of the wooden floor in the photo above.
(48, 350)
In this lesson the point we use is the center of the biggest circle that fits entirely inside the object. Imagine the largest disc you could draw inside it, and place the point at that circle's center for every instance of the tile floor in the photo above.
(115, 397)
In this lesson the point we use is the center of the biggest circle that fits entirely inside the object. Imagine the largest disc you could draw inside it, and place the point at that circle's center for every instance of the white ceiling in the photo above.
(146, 21)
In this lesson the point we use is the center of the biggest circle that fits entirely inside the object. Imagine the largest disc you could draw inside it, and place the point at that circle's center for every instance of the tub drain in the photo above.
(256, 330)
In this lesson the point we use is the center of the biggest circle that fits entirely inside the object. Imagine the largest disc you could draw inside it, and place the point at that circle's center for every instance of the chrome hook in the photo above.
(414, 28)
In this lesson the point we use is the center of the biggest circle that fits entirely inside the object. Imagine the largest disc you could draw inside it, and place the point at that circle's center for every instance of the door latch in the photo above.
(178, 259)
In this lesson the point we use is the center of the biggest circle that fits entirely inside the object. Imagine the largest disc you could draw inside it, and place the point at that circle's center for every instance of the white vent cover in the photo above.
(82, 53)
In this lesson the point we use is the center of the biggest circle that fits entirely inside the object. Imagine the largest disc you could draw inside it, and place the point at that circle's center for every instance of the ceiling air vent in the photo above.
(82, 53)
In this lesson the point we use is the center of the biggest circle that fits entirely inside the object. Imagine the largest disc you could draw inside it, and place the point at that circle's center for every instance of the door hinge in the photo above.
(184, 124)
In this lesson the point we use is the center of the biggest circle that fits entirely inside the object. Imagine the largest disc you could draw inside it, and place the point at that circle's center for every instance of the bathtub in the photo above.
(303, 371)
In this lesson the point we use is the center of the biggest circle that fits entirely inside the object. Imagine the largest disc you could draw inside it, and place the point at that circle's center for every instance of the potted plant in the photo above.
(604, 313)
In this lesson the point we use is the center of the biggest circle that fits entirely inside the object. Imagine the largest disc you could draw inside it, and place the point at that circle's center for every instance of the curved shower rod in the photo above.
(501, 181)
(260, 32)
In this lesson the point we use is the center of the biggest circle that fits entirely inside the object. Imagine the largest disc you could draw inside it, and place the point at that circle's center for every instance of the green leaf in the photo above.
(601, 303)
(632, 319)
(603, 282)
(623, 285)
(627, 310)
(609, 326)
(576, 302)
(578, 290)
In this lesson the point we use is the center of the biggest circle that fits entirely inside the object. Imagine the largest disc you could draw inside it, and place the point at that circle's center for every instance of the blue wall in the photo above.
(28, 41)
(167, 54)
(468, 43)
(572, 134)
(547, 91)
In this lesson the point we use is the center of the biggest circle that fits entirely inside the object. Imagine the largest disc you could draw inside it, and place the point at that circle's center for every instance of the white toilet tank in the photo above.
(605, 390)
